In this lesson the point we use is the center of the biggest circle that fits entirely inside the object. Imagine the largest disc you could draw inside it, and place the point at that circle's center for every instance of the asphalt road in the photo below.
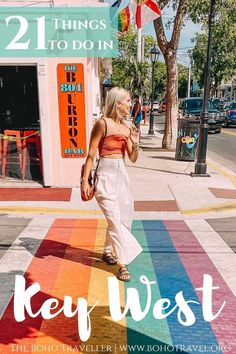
(221, 147)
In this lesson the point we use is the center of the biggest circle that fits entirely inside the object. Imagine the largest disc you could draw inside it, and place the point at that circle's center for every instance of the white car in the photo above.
(155, 106)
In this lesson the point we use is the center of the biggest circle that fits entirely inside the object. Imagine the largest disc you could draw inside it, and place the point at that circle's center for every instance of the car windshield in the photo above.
(233, 105)
(197, 104)
(216, 103)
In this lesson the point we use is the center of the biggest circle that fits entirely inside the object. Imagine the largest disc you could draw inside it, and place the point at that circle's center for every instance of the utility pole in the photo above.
(189, 73)
(189, 81)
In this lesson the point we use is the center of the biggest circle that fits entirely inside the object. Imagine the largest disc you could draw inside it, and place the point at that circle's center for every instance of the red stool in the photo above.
(14, 134)
(29, 138)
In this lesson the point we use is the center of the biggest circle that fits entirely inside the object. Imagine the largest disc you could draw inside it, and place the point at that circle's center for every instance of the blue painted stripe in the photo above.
(147, 333)
(172, 278)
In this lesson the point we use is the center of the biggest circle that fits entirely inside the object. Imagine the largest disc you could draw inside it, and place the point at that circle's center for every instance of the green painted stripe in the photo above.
(148, 331)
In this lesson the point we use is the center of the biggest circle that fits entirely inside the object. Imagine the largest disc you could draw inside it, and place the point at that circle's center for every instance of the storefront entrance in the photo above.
(20, 149)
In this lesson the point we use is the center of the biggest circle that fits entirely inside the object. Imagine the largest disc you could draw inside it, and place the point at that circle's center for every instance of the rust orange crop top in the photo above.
(112, 144)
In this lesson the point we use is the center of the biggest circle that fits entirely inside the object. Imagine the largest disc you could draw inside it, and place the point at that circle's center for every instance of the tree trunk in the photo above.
(170, 133)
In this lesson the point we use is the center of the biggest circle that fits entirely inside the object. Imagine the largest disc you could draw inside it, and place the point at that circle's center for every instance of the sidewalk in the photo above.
(162, 188)
(59, 244)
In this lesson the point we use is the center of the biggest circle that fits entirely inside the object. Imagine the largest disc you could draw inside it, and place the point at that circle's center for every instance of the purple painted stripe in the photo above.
(196, 262)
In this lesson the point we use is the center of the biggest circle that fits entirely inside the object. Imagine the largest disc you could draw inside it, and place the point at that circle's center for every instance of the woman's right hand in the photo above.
(85, 188)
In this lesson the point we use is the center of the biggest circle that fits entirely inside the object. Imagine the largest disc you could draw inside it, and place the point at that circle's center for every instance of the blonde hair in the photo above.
(115, 95)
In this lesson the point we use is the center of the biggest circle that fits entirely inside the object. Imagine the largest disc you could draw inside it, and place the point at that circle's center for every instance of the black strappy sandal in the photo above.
(123, 274)
(109, 258)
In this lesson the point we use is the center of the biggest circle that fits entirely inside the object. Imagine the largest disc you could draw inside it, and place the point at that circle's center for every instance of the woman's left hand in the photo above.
(134, 134)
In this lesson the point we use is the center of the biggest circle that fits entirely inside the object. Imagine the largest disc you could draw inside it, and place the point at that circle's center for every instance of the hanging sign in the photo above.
(72, 110)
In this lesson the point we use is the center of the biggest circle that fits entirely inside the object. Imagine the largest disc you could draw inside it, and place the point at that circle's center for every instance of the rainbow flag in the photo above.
(124, 19)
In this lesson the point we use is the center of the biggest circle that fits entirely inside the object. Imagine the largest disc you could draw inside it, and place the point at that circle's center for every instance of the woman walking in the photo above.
(113, 138)
(136, 113)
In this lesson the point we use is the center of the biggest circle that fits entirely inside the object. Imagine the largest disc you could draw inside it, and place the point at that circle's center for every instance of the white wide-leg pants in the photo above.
(114, 197)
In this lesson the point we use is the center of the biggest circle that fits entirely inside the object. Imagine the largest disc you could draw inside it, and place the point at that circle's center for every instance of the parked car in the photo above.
(220, 105)
(162, 107)
(193, 107)
(230, 114)
(155, 106)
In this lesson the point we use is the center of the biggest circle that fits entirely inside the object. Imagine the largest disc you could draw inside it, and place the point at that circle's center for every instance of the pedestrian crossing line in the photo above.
(42, 269)
(49, 268)
(148, 331)
(18, 257)
(68, 262)
(186, 245)
(72, 279)
(173, 278)
(104, 330)
(221, 255)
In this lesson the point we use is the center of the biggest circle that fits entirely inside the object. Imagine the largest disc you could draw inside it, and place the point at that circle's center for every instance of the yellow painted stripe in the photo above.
(217, 208)
(46, 210)
(221, 207)
(104, 330)
(231, 177)
(225, 131)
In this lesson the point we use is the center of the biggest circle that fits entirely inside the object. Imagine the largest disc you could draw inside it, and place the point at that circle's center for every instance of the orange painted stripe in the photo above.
(64, 253)
(73, 279)
(106, 333)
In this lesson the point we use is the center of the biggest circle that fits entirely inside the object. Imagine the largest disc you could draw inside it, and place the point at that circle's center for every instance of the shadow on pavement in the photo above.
(163, 158)
(65, 251)
(156, 169)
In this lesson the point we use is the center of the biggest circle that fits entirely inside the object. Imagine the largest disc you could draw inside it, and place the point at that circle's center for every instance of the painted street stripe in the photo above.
(218, 256)
(10, 229)
(228, 132)
(54, 265)
(230, 176)
(221, 255)
(47, 210)
(105, 331)
(18, 257)
(172, 278)
(224, 207)
(43, 269)
(148, 331)
(72, 278)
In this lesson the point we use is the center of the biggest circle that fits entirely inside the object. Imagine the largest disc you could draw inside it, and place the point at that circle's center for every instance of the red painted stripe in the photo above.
(197, 262)
(35, 194)
(55, 253)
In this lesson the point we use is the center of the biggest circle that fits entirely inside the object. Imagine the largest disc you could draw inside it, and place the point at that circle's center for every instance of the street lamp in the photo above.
(201, 166)
(154, 54)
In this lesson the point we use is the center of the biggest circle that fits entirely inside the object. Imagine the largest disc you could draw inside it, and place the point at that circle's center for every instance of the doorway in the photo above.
(19, 123)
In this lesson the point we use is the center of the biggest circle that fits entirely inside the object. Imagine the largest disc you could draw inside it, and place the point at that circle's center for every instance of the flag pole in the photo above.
(139, 45)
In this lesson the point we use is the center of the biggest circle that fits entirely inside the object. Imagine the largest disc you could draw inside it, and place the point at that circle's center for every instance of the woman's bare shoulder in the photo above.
(100, 123)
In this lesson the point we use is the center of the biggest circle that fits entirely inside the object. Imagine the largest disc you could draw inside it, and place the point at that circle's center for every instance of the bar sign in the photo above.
(71, 100)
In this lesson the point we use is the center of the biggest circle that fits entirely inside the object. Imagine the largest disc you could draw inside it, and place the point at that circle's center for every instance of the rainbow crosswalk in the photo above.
(67, 262)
